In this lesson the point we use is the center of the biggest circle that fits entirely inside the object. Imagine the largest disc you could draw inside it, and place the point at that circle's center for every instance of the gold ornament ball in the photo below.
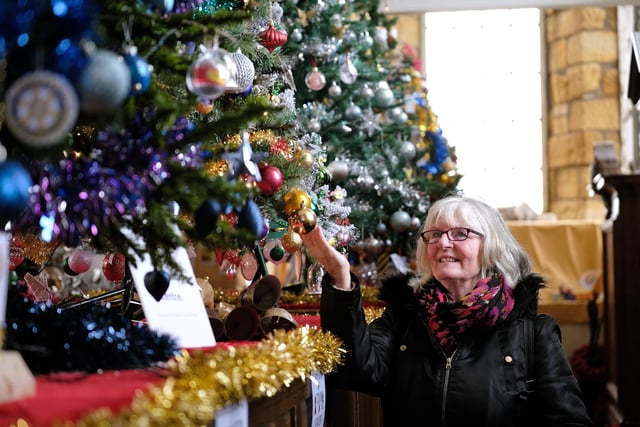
(448, 164)
(294, 200)
(303, 221)
(291, 241)
(305, 158)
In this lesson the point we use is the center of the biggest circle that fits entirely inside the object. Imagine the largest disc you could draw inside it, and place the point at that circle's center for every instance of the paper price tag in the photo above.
(318, 400)
(235, 415)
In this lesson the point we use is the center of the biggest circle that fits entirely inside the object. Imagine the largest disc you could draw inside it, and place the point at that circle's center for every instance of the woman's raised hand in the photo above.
(334, 263)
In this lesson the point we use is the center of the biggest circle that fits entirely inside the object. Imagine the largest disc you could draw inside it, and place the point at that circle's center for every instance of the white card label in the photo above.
(180, 312)
(318, 400)
(235, 415)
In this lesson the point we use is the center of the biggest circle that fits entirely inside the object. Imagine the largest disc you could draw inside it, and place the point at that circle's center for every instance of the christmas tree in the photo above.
(135, 128)
(359, 89)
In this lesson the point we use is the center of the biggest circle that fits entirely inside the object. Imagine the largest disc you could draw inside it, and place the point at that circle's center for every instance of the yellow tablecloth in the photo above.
(568, 253)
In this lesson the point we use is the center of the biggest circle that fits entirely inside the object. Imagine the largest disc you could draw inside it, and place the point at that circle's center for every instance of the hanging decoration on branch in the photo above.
(273, 36)
(41, 108)
(211, 73)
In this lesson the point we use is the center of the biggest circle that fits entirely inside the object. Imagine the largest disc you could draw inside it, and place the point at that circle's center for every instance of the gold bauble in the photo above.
(291, 241)
(295, 200)
(305, 158)
(303, 221)
(448, 164)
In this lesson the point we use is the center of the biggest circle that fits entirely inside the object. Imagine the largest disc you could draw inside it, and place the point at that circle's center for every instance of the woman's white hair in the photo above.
(500, 252)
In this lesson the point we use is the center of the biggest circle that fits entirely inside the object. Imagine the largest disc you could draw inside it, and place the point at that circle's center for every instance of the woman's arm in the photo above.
(334, 263)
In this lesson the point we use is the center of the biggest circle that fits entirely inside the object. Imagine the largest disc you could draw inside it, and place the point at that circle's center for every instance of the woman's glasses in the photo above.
(455, 234)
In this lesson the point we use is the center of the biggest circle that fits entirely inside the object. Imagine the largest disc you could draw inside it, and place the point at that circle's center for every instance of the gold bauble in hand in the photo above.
(303, 221)
(295, 200)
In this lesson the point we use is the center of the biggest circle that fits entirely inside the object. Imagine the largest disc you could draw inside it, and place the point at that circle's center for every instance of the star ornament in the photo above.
(244, 161)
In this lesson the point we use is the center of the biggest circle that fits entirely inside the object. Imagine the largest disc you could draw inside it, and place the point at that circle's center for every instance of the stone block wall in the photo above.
(583, 103)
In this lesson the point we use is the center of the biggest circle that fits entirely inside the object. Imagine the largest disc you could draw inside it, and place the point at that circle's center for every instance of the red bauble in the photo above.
(271, 180)
(113, 266)
(272, 37)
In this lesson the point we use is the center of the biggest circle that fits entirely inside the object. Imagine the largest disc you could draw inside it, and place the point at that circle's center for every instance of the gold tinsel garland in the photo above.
(369, 296)
(204, 381)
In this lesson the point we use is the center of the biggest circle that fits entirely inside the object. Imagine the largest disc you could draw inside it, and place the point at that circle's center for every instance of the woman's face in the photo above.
(455, 263)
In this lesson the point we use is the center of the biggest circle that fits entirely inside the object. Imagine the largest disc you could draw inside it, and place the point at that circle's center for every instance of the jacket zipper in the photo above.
(447, 371)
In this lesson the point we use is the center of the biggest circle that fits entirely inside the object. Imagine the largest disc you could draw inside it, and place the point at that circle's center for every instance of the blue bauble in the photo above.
(140, 74)
(250, 219)
(15, 183)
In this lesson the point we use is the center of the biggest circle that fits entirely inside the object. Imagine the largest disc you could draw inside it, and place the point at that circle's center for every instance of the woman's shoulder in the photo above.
(526, 295)
(395, 289)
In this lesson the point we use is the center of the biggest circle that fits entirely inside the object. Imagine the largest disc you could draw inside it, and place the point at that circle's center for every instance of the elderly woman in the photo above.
(460, 342)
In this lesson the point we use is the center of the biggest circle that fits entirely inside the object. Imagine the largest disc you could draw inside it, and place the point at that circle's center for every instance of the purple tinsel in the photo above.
(75, 197)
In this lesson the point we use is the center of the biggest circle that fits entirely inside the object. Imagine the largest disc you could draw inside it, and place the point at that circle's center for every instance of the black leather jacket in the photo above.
(482, 384)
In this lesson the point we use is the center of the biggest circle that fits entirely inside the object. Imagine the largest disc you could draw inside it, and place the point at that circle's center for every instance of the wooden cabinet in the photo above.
(621, 260)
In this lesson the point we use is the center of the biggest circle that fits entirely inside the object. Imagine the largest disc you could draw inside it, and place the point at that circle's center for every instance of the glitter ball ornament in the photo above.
(273, 37)
(104, 83)
(245, 72)
(315, 80)
(291, 241)
(209, 75)
(41, 108)
(113, 266)
(15, 183)
(296, 199)
(305, 158)
(271, 181)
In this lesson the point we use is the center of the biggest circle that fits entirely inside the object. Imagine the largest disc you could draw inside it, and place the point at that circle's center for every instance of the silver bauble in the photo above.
(381, 228)
(383, 96)
(104, 84)
(339, 170)
(366, 91)
(314, 126)
(407, 150)
(353, 112)
(296, 35)
(245, 71)
(415, 223)
(400, 221)
(335, 90)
